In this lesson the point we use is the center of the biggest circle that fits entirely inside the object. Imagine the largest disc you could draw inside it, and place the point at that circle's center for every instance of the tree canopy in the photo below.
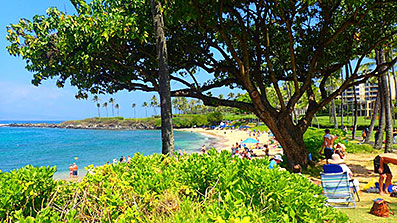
(253, 45)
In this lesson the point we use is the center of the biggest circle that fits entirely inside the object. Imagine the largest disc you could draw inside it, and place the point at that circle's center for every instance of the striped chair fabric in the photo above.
(337, 189)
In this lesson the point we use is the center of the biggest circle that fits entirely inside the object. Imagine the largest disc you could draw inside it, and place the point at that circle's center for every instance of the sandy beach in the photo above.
(224, 139)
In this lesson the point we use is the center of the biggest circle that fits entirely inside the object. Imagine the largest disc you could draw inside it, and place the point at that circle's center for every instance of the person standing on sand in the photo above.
(328, 144)
(203, 150)
(75, 168)
(381, 167)
(376, 135)
(70, 171)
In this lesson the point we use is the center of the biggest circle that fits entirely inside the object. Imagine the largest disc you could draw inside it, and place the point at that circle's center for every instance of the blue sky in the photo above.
(20, 100)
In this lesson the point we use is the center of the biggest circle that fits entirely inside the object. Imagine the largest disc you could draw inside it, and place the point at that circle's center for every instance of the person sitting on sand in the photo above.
(267, 150)
(340, 149)
(381, 167)
(297, 169)
(275, 161)
(336, 159)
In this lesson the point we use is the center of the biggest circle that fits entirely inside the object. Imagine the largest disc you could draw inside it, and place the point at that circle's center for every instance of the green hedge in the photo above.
(194, 188)
(313, 139)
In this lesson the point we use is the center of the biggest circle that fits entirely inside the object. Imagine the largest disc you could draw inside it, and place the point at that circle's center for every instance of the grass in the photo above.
(361, 121)
(361, 212)
(361, 165)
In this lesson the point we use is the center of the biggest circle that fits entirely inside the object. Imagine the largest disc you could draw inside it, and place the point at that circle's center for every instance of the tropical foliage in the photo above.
(193, 188)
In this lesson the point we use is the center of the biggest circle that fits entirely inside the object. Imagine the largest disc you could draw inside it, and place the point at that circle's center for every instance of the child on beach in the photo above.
(70, 171)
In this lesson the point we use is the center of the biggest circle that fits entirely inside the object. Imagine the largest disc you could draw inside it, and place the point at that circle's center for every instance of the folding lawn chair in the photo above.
(336, 188)
(335, 168)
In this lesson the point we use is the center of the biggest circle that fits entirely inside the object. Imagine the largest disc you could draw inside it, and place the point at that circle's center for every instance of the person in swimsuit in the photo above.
(381, 167)
(75, 168)
(328, 144)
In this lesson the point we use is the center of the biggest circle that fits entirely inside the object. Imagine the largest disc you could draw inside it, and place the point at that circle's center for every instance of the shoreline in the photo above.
(226, 138)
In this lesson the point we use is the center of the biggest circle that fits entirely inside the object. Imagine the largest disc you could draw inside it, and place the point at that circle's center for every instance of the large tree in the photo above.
(252, 45)
(167, 134)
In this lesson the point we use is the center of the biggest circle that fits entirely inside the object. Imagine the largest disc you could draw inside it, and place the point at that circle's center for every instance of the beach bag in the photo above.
(381, 208)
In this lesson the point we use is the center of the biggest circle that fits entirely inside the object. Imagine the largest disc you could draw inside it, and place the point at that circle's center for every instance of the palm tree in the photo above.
(192, 104)
(133, 107)
(111, 100)
(105, 105)
(145, 105)
(117, 106)
(96, 100)
(230, 95)
(154, 103)
(175, 104)
(98, 105)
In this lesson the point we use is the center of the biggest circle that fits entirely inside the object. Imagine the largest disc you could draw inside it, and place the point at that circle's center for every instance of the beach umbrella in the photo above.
(250, 140)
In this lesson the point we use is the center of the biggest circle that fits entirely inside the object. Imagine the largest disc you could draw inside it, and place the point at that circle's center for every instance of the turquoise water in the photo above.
(59, 147)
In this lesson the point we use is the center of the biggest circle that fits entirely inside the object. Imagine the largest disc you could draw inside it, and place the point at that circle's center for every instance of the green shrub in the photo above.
(26, 190)
(313, 139)
(214, 118)
(194, 188)
(200, 120)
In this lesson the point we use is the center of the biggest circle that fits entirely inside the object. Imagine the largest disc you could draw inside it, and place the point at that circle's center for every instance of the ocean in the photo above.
(20, 146)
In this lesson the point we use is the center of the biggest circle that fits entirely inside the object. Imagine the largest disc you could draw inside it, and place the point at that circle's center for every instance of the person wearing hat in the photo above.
(275, 161)
(335, 159)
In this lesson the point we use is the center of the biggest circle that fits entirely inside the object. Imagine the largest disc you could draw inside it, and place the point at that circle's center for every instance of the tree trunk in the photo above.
(167, 134)
(382, 122)
(291, 139)
(342, 125)
(395, 82)
(355, 114)
(334, 114)
(355, 103)
(386, 105)
(373, 119)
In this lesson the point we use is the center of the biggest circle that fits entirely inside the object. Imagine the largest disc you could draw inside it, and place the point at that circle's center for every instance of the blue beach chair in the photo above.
(337, 190)
(335, 168)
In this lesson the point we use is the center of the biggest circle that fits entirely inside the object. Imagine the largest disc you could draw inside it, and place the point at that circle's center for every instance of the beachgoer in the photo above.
(275, 161)
(336, 159)
(114, 161)
(70, 171)
(266, 150)
(340, 149)
(328, 144)
(122, 159)
(203, 149)
(364, 135)
(128, 159)
(297, 169)
(75, 168)
(381, 167)
(376, 135)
